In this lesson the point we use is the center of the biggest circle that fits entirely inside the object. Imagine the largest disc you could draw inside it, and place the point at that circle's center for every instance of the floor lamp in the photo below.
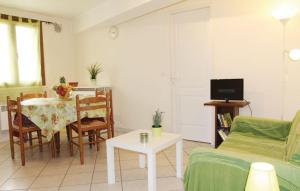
(284, 14)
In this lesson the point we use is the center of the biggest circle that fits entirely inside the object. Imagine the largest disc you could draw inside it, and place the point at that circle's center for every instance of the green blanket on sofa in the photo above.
(220, 170)
(250, 140)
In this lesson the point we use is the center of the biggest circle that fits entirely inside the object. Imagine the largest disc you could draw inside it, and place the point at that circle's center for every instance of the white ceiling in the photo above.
(60, 8)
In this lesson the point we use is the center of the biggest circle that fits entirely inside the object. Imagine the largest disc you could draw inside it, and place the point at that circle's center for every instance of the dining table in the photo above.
(52, 115)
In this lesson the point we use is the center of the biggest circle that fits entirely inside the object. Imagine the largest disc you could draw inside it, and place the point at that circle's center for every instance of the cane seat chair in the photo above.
(18, 130)
(92, 126)
(25, 96)
(102, 93)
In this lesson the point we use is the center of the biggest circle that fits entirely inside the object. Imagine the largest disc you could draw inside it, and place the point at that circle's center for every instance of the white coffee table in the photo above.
(131, 141)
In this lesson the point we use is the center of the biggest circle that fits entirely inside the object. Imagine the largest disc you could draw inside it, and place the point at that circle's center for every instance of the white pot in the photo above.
(94, 82)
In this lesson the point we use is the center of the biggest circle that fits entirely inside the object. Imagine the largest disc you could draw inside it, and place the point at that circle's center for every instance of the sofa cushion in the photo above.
(254, 145)
(293, 143)
(261, 127)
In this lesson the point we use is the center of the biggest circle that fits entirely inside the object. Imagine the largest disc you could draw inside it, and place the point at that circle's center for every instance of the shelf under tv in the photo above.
(231, 107)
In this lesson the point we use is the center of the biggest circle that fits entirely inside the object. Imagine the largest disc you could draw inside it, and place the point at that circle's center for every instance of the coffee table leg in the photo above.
(179, 159)
(111, 179)
(142, 161)
(151, 172)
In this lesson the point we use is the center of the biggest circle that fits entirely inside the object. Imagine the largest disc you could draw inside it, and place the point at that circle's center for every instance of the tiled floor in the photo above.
(64, 173)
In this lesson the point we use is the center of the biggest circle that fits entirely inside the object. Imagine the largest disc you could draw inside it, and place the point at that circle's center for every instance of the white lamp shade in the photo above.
(262, 177)
(294, 54)
(284, 12)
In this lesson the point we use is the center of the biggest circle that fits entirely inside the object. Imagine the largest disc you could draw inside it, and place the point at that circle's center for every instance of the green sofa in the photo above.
(250, 140)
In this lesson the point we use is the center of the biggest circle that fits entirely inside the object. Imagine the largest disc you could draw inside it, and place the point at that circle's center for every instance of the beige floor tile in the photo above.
(60, 161)
(102, 154)
(17, 183)
(107, 187)
(134, 163)
(44, 189)
(171, 154)
(47, 181)
(85, 187)
(173, 160)
(136, 185)
(87, 160)
(163, 184)
(129, 164)
(51, 171)
(165, 171)
(190, 149)
(170, 184)
(27, 172)
(8, 168)
(162, 161)
(128, 155)
(101, 177)
(42, 173)
(85, 168)
(77, 179)
(6, 171)
(194, 144)
(134, 174)
(4, 178)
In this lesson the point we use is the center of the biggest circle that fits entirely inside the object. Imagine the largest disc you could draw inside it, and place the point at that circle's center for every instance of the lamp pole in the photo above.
(284, 67)
(284, 14)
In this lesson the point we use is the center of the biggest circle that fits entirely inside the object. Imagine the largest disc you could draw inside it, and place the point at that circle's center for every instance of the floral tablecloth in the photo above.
(53, 114)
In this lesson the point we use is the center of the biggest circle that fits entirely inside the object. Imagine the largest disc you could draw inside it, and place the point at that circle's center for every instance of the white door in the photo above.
(191, 73)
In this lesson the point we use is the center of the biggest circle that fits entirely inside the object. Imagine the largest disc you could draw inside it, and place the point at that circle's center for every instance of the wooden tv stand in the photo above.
(222, 107)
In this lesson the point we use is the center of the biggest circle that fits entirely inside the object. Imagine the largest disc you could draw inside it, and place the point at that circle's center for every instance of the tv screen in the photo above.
(227, 89)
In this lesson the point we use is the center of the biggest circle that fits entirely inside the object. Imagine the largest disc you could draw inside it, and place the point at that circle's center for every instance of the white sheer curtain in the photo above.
(20, 60)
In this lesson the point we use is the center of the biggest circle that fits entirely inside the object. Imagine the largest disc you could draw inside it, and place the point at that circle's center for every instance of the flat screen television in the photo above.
(227, 89)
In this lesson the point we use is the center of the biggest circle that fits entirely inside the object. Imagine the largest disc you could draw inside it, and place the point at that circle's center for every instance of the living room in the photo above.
(163, 54)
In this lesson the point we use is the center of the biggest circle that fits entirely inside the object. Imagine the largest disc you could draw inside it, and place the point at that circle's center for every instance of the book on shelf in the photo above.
(224, 120)
(222, 134)
(228, 119)
(220, 120)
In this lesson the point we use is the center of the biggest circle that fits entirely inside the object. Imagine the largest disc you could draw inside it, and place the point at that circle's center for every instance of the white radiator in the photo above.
(3, 117)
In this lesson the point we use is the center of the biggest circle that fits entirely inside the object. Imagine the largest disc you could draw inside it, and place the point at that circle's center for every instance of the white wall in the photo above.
(116, 11)
(247, 43)
(58, 47)
(137, 64)
(59, 53)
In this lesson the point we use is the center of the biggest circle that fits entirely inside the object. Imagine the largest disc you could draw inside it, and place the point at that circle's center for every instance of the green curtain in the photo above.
(20, 53)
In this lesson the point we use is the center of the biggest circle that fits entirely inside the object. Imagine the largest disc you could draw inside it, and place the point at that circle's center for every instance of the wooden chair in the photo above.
(18, 130)
(94, 125)
(103, 93)
(26, 96)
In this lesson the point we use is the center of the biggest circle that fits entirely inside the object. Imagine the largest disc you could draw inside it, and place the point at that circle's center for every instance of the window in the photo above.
(20, 58)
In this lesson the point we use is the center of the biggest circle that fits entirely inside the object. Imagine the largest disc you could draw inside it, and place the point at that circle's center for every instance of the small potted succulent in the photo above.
(94, 70)
(157, 120)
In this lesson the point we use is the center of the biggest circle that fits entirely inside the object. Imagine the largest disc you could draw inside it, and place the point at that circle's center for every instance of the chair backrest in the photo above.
(25, 96)
(92, 103)
(102, 93)
(14, 110)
